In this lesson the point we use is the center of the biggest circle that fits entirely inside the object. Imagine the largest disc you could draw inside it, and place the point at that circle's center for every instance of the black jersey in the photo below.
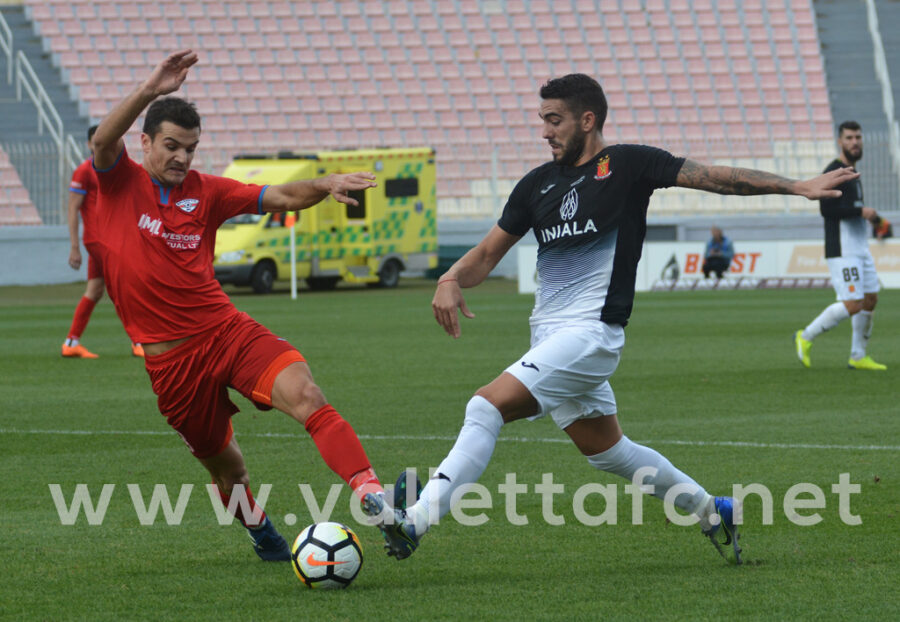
(590, 223)
(845, 228)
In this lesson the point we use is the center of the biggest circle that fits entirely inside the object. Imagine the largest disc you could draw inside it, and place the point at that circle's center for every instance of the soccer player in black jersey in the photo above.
(587, 208)
(850, 263)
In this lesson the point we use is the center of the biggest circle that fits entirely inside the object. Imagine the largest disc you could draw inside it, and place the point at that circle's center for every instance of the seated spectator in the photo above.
(718, 254)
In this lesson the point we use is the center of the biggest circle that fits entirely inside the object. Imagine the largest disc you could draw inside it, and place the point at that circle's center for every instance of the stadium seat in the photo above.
(464, 70)
(16, 207)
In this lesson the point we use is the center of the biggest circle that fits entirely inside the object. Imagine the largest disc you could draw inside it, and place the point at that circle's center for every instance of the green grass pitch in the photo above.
(708, 378)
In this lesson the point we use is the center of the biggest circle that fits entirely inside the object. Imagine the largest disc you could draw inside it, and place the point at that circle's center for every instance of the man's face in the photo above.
(562, 131)
(850, 142)
(716, 234)
(168, 155)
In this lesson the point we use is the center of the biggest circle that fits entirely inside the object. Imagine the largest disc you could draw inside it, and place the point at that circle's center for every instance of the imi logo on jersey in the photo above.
(570, 226)
(177, 241)
(153, 225)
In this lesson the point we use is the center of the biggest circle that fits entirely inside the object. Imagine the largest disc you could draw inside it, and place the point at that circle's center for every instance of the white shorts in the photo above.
(853, 276)
(568, 367)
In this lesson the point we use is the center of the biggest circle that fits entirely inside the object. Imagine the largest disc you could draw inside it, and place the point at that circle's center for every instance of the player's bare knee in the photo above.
(311, 396)
(229, 479)
(853, 306)
(239, 478)
(595, 434)
(503, 408)
(869, 302)
(509, 397)
(305, 399)
(94, 294)
(485, 393)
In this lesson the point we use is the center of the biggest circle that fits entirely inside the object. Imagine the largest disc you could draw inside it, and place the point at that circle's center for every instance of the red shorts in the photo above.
(95, 267)
(191, 380)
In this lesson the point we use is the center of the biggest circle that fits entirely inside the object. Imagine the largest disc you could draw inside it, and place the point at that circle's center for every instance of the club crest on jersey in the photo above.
(603, 168)
(569, 205)
(187, 205)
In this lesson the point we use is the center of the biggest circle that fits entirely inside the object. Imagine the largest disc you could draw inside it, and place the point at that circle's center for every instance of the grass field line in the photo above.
(508, 439)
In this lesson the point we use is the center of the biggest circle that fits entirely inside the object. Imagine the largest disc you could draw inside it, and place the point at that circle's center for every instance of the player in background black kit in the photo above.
(851, 265)
(588, 210)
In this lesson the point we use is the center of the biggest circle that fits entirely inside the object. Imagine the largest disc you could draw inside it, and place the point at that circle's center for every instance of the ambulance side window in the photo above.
(357, 211)
(401, 187)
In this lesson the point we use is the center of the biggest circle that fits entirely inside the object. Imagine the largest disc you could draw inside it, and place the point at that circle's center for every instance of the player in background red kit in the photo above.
(82, 198)
(156, 234)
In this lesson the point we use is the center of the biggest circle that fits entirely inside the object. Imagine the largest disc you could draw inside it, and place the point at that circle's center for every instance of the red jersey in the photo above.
(84, 182)
(157, 244)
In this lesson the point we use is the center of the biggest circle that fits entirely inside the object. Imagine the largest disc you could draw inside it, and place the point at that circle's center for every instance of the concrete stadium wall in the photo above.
(39, 255)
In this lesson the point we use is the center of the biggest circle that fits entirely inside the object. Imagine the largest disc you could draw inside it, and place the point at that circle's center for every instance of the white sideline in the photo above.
(508, 439)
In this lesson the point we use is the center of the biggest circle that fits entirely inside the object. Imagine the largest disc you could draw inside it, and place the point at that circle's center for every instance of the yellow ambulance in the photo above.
(393, 229)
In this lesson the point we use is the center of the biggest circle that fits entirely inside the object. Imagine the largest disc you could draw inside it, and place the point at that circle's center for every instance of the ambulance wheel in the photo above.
(389, 275)
(263, 277)
(322, 283)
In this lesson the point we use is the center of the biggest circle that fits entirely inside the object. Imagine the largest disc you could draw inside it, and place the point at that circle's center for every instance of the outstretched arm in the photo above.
(470, 270)
(165, 78)
(298, 195)
(745, 181)
(75, 201)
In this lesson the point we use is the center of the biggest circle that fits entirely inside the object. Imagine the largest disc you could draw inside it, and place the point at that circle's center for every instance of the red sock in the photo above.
(241, 510)
(341, 450)
(82, 315)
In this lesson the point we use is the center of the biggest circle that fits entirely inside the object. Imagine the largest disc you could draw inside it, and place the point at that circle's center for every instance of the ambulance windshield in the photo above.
(244, 219)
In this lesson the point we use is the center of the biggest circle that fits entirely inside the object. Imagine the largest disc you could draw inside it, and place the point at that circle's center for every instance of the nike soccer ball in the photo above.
(326, 555)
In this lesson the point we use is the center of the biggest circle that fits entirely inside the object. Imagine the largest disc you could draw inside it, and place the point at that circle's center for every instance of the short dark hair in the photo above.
(173, 109)
(91, 131)
(853, 126)
(580, 92)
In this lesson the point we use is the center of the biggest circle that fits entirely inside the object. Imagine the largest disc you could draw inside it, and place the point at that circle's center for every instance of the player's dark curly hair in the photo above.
(91, 131)
(853, 126)
(580, 92)
(174, 110)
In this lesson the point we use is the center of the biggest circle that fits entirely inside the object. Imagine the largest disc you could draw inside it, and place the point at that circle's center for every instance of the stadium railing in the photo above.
(6, 46)
(884, 78)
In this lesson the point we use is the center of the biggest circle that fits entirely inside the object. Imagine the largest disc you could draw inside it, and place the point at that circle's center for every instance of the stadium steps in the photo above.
(889, 21)
(849, 63)
(853, 86)
(18, 123)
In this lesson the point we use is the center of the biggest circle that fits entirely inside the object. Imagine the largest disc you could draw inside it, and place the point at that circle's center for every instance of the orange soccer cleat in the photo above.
(137, 350)
(77, 352)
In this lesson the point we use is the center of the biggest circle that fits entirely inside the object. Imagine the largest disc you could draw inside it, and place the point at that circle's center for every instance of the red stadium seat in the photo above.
(458, 71)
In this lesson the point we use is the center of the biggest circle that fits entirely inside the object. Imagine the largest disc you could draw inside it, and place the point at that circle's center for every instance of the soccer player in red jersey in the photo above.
(82, 198)
(156, 227)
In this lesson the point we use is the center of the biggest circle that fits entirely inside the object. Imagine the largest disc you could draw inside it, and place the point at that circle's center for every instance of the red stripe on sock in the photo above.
(82, 315)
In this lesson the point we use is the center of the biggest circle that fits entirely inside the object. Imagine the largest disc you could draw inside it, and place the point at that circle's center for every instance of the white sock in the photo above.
(862, 330)
(463, 465)
(72, 342)
(833, 315)
(626, 457)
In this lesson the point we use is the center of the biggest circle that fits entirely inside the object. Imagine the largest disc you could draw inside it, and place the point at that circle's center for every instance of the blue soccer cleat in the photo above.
(399, 534)
(404, 483)
(726, 508)
(269, 544)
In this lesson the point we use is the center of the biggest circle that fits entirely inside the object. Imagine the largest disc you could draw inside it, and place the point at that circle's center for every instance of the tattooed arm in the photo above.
(745, 181)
